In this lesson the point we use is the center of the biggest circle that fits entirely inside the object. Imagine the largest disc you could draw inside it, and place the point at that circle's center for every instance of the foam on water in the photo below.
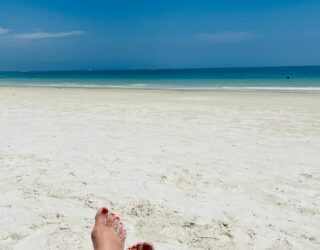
(216, 79)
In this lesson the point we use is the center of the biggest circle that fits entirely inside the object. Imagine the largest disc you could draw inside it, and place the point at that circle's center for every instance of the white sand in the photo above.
(185, 170)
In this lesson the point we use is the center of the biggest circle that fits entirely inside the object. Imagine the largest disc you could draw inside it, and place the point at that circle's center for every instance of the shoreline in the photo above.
(173, 89)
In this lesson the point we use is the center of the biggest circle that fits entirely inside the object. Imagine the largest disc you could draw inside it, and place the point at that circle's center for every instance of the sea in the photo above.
(302, 78)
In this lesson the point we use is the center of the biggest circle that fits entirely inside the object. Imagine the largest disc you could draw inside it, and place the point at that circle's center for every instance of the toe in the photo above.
(116, 224)
(120, 228)
(142, 246)
(147, 246)
(110, 219)
(139, 246)
(101, 215)
(123, 233)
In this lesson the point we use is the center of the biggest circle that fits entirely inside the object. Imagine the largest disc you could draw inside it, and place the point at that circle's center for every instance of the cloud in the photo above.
(229, 36)
(3, 31)
(46, 35)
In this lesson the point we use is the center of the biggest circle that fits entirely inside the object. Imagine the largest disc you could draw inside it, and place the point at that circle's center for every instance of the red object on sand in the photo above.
(147, 246)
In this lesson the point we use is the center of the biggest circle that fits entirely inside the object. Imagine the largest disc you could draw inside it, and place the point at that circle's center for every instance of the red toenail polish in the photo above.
(112, 214)
(104, 210)
(146, 246)
(117, 218)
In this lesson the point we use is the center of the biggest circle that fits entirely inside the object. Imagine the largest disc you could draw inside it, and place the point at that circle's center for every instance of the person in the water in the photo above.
(109, 233)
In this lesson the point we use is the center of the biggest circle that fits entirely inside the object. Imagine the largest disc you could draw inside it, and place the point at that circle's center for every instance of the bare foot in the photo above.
(108, 232)
(142, 246)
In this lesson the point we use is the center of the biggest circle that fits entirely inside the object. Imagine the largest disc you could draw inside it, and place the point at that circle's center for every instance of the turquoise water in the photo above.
(264, 78)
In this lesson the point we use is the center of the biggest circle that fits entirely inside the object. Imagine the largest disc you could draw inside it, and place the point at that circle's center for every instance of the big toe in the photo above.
(101, 216)
(142, 246)
(147, 246)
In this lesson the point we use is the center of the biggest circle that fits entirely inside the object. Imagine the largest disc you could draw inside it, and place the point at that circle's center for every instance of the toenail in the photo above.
(147, 246)
(117, 218)
(104, 210)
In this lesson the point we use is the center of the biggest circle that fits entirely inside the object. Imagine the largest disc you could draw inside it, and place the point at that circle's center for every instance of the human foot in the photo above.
(108, 232)
(142, 246)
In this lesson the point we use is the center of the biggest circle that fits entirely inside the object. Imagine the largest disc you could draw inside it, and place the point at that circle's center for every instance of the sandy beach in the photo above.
(184, 170)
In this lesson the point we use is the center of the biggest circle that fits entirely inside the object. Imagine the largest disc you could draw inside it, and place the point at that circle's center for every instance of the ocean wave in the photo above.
(168, 87)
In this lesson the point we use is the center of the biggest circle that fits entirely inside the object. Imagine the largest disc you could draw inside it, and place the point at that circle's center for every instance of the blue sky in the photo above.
(97, 34)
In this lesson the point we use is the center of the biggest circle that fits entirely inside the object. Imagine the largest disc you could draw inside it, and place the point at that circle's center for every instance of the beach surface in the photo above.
(184, 170)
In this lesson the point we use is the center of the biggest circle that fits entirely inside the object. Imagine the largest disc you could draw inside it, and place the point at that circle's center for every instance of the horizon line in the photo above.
(156, 69)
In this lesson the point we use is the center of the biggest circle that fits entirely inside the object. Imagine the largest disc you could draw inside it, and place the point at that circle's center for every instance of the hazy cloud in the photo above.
(46, 35)
(229, 36)
(3, 31)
